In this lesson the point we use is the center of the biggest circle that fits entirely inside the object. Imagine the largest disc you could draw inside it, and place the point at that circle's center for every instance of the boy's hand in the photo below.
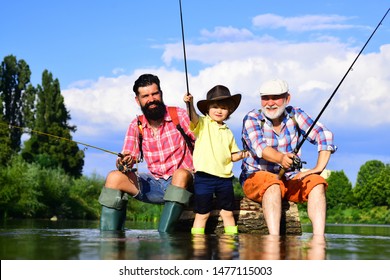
(188, 98)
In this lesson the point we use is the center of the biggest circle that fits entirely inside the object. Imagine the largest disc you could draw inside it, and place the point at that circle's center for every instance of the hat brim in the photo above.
(203, 105)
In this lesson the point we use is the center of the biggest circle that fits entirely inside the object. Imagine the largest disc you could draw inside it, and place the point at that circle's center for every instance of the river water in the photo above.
(81, 240)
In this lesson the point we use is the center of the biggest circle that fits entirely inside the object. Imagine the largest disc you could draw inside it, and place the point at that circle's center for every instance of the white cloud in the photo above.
(227, 33)
(103, 108)
(302, 23)
(313, 71)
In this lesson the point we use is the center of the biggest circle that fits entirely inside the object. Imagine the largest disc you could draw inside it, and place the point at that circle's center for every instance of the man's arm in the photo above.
(322, 162)
(272, 155)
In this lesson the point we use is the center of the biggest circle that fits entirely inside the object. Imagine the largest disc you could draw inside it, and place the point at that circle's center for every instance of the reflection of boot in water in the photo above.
(227, 246)
(199, 246)
(112, 245)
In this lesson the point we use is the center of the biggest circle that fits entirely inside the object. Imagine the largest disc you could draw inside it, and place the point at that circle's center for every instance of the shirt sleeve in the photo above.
(234, 147)
(252, 134)
(320, 135)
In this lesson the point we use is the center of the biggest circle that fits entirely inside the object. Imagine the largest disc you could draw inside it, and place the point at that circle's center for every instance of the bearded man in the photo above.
(270, 135)
(154, 137)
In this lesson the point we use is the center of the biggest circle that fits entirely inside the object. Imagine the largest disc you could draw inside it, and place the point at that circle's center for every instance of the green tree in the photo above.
(52, 118)
(339, 193)
(370, 189)
(14, 80)
(20, 191)
(5, 142)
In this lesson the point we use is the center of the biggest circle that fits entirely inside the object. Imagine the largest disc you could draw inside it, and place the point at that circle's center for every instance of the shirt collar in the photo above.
(215, 123)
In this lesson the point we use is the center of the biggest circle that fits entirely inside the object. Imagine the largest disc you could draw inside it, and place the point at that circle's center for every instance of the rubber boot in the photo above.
(197, 230)
(231, 229)
(171, 213)
(175, 200)
(114, 204)
(112, 219)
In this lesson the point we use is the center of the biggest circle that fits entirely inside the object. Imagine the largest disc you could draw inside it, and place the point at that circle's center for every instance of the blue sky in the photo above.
(98, 48)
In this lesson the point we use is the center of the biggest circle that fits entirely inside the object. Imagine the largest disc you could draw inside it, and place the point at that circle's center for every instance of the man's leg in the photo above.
(272, 209)
(316, 209)
(114, 198)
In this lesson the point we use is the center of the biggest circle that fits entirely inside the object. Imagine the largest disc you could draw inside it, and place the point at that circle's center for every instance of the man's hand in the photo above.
(125, 163)
(287, 160)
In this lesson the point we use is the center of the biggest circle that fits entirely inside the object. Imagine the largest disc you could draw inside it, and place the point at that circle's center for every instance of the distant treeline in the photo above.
(28, 190)
(42, 177)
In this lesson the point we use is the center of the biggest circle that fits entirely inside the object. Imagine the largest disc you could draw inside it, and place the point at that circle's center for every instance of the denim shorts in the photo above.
(152, 190)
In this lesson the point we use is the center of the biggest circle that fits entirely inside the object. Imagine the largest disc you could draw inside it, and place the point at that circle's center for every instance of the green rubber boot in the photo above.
(112, 219)
(175, 200)
(114, 203)
(171, 213)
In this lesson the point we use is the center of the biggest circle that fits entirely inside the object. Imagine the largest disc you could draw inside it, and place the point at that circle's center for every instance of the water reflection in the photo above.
(66, 242)
(213, 247)
(270, 247)
(118, 245)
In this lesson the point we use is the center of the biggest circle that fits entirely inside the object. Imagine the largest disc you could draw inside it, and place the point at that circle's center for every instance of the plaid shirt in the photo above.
(165, 150)
(258, 133)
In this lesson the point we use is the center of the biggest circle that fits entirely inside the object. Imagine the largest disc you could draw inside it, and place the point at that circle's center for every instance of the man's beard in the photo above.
(277, 113)
(156, 113)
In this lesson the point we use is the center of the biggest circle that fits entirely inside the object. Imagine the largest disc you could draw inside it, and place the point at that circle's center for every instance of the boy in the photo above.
(214, 153)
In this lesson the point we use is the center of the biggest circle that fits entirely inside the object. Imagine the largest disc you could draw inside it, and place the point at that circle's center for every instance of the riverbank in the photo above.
(376, 215)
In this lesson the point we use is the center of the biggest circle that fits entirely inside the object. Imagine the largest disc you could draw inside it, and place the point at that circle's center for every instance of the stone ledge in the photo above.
(249, 219)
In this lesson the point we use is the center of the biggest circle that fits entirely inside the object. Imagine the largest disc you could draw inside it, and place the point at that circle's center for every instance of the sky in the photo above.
(97, 49)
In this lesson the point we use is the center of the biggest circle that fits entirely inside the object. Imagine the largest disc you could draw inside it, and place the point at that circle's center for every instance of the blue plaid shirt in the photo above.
(258, 133)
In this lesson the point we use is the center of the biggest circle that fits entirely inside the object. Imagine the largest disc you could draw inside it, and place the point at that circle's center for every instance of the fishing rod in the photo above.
(121, 167)
(185, 58)
(299, 145)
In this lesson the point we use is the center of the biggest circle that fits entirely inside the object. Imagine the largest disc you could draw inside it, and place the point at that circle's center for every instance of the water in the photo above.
(81, 240)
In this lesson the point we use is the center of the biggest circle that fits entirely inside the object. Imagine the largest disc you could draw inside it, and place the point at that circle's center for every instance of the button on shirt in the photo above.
(165, 149)
(258, 133)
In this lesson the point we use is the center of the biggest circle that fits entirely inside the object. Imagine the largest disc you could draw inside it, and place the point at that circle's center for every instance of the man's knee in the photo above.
(182, 178)
(319, 189)
(113, 178)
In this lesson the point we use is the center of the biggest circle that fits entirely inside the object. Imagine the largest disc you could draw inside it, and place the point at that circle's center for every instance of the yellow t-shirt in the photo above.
(214, 146)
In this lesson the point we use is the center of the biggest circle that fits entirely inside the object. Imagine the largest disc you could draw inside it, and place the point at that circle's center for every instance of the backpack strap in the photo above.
(292, 116)
(140, 137)
(175, 119)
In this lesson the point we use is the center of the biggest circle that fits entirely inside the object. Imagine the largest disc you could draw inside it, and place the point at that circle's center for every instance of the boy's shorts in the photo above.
(206, 186)
(294, 190)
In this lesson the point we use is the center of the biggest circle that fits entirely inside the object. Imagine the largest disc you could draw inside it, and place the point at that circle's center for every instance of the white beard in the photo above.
(274, 114)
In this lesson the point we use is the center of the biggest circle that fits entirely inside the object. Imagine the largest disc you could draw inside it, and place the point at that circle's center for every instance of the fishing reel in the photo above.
(297, 163)
(125, 166)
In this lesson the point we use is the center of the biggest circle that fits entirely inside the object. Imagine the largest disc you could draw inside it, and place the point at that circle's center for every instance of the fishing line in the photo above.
(28, 130)
(299, 145)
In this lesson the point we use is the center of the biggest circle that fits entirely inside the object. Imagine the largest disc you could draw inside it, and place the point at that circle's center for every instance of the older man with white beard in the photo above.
(270, 135)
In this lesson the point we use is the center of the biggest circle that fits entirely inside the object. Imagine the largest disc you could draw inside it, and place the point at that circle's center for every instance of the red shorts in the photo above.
(292, 190)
